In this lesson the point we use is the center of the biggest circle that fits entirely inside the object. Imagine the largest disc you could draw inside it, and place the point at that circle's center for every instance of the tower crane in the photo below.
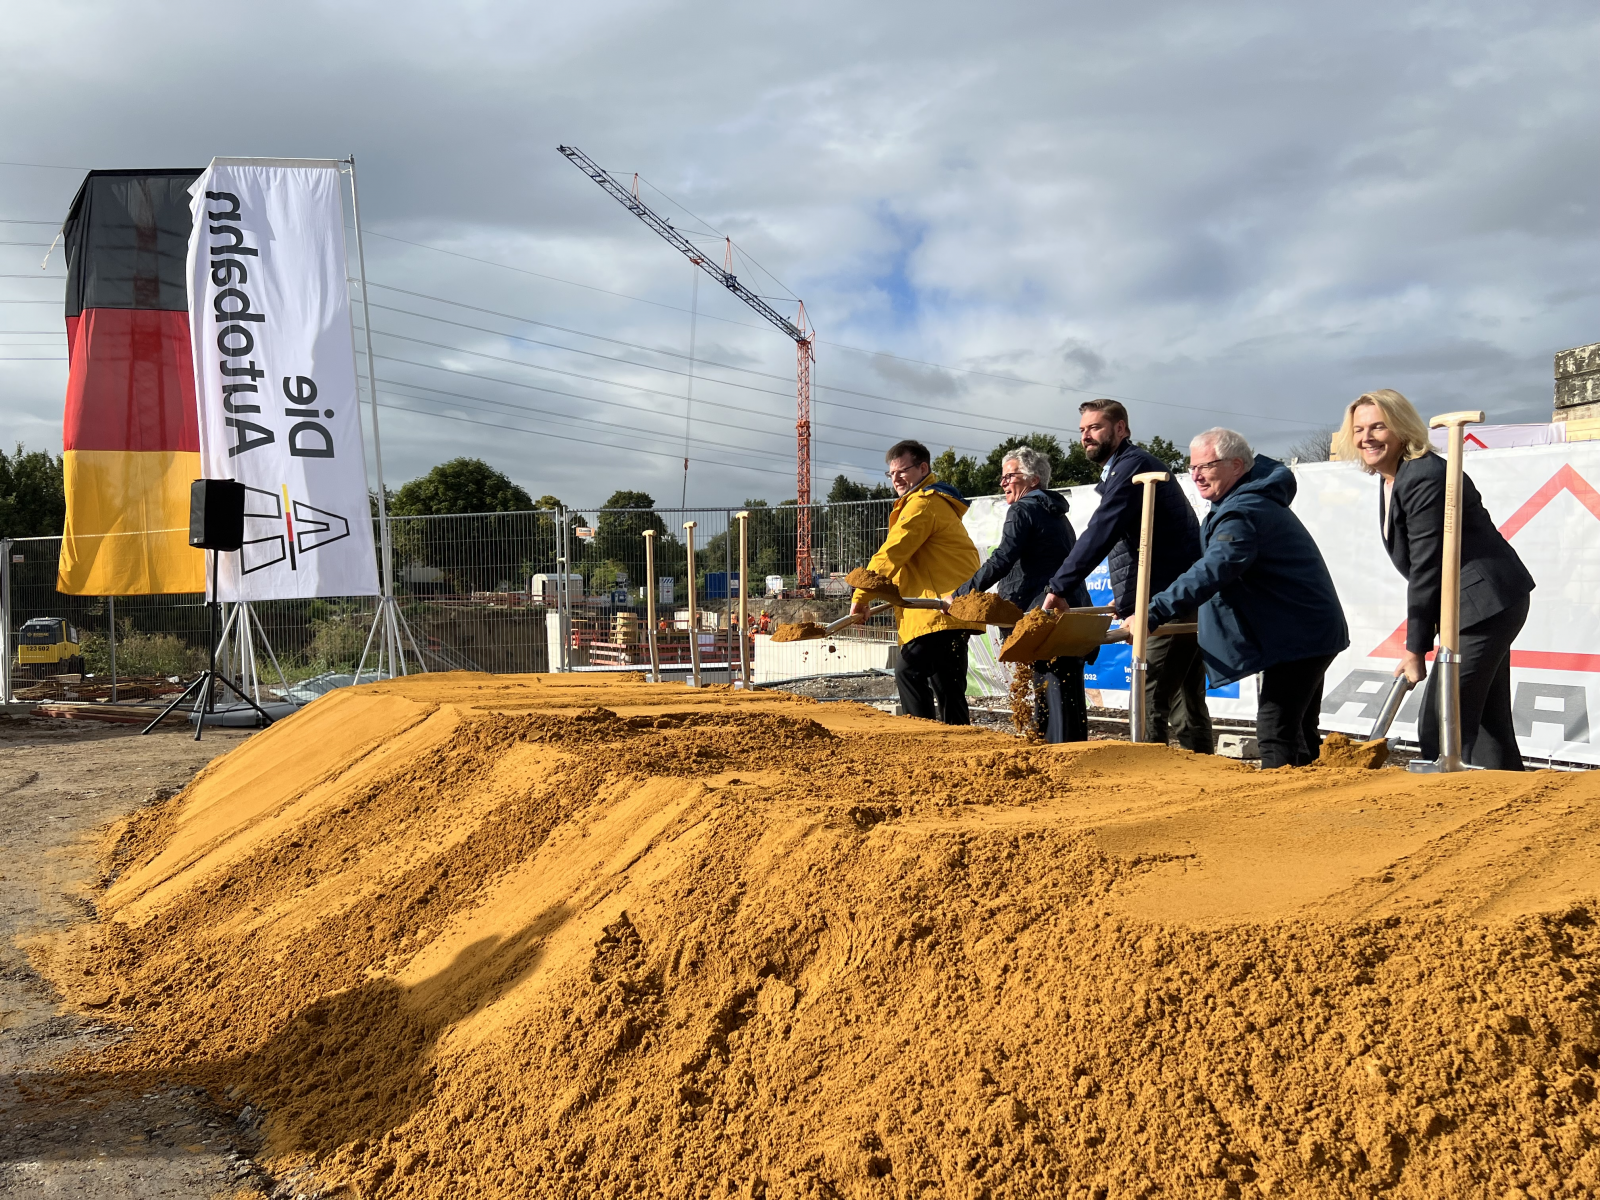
(804, 338)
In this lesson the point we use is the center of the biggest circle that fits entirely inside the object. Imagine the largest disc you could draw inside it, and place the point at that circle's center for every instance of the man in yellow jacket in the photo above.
(927, 554)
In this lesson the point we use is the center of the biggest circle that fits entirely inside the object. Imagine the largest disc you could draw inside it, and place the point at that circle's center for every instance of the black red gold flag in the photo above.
(130, 435)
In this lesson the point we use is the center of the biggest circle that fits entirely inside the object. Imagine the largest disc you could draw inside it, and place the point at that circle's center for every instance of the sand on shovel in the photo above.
(864, 580)
(1029, 636)
(985, 608)
(804, 631)
(1340, 750)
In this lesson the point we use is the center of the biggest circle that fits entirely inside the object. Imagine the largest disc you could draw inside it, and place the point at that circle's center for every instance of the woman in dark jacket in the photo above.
(1035, 541)
(1385, 434)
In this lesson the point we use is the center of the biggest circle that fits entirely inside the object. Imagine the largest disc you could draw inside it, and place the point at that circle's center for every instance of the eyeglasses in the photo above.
(1013, 477)
(898, 474)
(1207, 467)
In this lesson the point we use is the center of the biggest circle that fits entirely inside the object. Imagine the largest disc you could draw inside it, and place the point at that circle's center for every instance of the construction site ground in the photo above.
(577, 936)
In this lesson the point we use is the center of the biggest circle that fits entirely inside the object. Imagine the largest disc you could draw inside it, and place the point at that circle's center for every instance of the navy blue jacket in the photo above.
(1113, 531)
(1036, 537)
(1264, 593)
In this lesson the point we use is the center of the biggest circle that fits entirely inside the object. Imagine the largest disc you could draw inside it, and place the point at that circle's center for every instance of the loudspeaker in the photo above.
(216, 514)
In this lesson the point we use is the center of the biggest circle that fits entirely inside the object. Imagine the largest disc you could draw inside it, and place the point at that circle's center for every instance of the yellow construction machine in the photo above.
(48, 646)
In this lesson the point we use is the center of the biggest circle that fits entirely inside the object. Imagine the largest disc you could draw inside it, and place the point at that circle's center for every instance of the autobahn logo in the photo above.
(278, 528)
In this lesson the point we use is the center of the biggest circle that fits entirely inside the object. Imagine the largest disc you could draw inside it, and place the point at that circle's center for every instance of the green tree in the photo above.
(462, 485)
(845, 490)
(33, 501)
(1177, 461)
(619, 533)
(470, 534)
(958, 472)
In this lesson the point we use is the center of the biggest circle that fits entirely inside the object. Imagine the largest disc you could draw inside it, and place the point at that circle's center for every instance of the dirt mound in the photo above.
(985, 608)
(800, 632)
(1340, 750)
(864, 580)
(574, 937)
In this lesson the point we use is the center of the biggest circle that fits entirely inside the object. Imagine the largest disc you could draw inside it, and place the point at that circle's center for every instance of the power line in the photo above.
(920, 406)
(20, 221)
(45, 166)
(577, 396)
(595, 400)
(1014, 379)
(625, 361)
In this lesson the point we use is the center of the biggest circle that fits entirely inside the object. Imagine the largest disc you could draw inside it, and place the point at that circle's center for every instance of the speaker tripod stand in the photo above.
(203, 689)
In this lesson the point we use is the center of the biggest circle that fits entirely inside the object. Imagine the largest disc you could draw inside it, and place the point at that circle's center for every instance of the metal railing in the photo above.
(554, 589)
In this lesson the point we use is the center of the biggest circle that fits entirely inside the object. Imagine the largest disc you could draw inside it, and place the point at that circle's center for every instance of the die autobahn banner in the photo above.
(275, 376)
(1544, 499)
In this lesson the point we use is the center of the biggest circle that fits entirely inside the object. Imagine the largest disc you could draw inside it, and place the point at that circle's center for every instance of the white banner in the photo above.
(275, 379)
(1546, 502)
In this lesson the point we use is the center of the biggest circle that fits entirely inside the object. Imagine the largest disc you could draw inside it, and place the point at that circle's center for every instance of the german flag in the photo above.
(131, 438)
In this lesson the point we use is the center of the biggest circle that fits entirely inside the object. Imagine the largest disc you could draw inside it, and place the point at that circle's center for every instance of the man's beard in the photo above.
(1098, 452)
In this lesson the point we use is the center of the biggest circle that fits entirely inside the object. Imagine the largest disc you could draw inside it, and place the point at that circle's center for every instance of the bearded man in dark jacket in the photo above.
(1175, 684)
(1036, 537)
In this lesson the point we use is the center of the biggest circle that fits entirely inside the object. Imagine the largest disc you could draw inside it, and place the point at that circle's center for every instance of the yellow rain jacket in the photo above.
(927, 554)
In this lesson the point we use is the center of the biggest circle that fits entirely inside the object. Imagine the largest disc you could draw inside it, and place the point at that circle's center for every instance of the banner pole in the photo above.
(5, 620)
(372, 392)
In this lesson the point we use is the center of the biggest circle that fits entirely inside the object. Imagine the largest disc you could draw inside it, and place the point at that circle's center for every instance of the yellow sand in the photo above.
(465, 936)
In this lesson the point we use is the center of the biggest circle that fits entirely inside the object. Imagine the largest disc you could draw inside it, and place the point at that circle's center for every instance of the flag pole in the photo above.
(388, 613)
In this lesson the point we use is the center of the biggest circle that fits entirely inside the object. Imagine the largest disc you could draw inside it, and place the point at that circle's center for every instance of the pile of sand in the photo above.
(1340, 750)
(985, 608)
(799, 633)
(562, 936)
(864, 580)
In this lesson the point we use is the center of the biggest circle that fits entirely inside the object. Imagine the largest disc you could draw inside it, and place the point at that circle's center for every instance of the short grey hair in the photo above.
(1033, 462)
(1224, 443)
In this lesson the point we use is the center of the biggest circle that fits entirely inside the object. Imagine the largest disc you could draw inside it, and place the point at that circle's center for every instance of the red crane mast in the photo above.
(804, 341)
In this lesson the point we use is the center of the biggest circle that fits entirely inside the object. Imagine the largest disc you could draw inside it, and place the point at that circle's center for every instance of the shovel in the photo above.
(844, 622)
(1447, 663)
(1139, 668)
(1391, 706)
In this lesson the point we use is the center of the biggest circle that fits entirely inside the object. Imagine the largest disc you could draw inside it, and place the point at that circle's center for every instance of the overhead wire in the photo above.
(631, 362)
(779, 457)
(578, 396)
(1013, 379)
(920, 406)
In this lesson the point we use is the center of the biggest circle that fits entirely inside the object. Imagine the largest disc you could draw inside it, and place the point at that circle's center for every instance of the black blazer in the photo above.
(1492, 576)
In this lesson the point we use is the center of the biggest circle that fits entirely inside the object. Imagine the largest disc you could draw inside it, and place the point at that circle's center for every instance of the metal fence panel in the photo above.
(484, 592)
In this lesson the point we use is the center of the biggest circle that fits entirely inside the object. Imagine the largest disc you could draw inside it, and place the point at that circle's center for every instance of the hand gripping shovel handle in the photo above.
(1391, 706)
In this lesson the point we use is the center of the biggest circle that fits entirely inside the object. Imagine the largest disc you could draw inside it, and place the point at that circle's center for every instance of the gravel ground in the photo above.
(61, 784)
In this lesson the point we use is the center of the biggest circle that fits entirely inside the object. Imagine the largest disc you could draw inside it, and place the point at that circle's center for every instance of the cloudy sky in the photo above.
(1233, 213)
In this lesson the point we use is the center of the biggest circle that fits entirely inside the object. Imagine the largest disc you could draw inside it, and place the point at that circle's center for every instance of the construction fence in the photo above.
(547, 590)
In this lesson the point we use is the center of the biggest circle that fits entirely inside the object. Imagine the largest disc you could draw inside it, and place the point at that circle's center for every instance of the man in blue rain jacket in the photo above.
(1267, 603)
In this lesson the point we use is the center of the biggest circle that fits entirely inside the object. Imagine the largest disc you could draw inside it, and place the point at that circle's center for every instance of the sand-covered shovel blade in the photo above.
(810, 631)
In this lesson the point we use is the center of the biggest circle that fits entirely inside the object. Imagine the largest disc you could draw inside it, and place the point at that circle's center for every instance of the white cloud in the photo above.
(1240, 208)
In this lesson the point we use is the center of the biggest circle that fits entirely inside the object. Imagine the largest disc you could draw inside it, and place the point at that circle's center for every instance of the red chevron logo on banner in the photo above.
(1564, 480)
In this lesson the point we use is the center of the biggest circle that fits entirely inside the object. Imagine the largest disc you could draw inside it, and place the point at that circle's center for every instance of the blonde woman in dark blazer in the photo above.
(1386, 436)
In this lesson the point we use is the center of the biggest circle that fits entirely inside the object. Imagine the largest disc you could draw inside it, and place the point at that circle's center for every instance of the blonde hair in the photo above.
(1398, 414)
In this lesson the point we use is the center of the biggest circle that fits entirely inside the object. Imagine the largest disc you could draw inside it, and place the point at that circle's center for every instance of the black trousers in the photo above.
(1287, 712)
(1175, 693)
(1488, 738)
(932, 677)
(1061, 711)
